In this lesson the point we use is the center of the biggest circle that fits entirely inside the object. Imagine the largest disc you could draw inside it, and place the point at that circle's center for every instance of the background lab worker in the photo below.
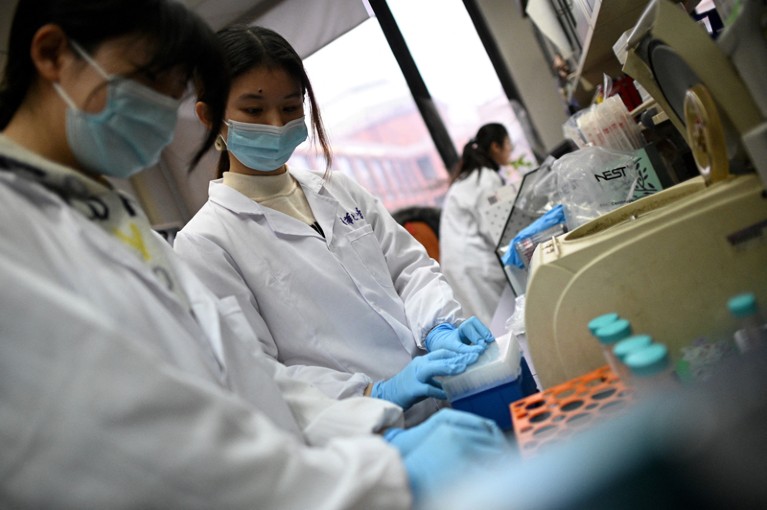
(335, 288)
(120, 380)
(467, 248)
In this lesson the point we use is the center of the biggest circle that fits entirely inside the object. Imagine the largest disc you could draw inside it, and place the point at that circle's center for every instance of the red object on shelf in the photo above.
(557, 413)
(624, 87)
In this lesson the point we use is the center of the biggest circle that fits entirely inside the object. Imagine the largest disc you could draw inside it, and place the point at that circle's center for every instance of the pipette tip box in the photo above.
(490, 385)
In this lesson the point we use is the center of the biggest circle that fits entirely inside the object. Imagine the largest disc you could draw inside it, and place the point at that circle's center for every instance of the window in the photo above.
(457, 71)
(370, 114)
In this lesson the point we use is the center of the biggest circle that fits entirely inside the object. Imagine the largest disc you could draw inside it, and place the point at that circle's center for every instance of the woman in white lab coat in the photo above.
(336, 289)
(467, 249)
(124, 382)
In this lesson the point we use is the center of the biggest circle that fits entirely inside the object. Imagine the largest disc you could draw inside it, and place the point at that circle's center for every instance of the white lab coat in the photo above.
(467, 249)
(340, 311)
(112, 394)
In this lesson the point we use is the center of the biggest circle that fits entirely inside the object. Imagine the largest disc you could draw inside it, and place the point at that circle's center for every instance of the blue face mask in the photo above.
(129, 134)
(263, 147)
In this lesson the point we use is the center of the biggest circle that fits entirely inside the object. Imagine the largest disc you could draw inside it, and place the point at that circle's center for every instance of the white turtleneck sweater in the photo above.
(280, 192)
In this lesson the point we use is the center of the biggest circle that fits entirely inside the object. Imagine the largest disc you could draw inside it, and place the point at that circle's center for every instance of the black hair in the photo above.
(251, 47)
(476, 153)
(177, 37)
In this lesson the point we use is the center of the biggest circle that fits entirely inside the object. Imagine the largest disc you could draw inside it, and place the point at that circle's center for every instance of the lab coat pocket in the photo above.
(370, 254)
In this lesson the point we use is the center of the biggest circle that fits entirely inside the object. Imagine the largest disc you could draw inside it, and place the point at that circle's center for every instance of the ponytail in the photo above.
(476, 152)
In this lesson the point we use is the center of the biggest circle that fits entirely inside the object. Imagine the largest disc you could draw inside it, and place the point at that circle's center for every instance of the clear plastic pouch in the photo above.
(593, 181)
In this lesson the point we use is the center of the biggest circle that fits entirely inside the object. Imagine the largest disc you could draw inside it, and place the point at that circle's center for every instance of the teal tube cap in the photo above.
(601, 321)
(613, 332)
(742, 305)
(649, 361)
(631, 344)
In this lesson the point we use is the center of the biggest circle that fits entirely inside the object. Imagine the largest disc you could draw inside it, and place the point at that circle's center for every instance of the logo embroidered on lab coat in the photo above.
(350, 217)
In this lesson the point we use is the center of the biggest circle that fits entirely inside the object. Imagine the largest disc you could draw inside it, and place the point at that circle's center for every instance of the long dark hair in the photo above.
(476, 153)
(177, 37)
(251, 47)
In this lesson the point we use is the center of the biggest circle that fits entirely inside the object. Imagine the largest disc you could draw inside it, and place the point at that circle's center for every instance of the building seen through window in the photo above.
(376, 131)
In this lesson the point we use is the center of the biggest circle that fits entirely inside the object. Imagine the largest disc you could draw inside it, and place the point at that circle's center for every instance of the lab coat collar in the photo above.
(307, 179)
(324, 206)
(229, 198)
(239, 203)
(279, 223)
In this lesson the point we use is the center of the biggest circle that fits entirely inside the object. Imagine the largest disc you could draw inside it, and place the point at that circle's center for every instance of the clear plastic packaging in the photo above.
(515, 326)
(593, 181)
(607, 124)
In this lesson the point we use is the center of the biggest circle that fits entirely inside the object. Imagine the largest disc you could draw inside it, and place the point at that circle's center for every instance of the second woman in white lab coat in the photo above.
(336, 289)
(467, 248)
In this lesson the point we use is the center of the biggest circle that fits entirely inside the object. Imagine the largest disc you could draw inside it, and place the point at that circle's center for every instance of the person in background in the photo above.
(467, 248)
(337, 291)
(124, 382)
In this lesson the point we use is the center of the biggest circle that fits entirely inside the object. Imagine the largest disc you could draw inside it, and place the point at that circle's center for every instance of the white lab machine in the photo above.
(668, 262)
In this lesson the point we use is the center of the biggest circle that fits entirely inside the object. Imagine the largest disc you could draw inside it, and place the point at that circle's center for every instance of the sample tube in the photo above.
(651, 370)
(608, 336)
(626, 347)
(752, 332)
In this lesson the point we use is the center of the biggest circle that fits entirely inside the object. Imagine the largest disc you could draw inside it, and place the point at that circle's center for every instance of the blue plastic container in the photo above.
(494, 402)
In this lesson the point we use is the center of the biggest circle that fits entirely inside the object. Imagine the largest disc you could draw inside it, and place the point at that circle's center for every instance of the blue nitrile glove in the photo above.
(450, 451)
(471, 336)
(552, 217)
(416, 381)
(407, 440)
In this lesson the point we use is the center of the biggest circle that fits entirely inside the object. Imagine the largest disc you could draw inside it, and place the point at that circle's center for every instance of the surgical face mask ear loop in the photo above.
(81, 52)
(220, 143)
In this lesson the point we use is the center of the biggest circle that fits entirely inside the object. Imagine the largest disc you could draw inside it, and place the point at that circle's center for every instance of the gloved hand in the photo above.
(407, 440)
(416, 381)
(471, 336)
(449, 452)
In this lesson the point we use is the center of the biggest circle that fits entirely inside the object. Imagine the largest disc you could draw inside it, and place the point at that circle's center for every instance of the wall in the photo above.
(528, 67)
(7, 8)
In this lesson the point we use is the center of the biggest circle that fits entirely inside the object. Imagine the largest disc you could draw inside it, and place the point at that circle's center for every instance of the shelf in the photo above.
(608, 21)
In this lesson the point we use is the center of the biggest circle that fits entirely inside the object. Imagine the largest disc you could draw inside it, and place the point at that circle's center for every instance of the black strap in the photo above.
(316, 226)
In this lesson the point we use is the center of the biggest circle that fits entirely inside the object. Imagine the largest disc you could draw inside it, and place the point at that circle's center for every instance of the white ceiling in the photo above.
(307, 24)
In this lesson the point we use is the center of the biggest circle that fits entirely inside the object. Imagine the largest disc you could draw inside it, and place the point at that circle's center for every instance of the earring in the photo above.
(220, 144)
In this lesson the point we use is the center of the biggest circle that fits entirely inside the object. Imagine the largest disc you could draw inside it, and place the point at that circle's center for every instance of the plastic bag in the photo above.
(515, 327)
(607, 124)
(572, 132)
(539, 195)
(515, 324)
(593, 181)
